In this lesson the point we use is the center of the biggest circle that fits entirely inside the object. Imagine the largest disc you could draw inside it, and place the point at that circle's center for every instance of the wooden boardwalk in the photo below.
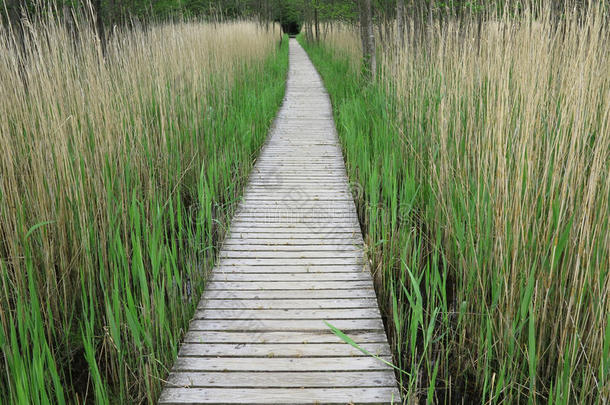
(294, 258)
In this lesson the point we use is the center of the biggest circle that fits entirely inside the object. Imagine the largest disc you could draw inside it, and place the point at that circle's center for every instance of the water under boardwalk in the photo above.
(294, 258)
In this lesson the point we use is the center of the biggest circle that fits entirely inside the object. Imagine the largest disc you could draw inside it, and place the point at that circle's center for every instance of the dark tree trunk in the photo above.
(368, 38)
(316, 22)
(362, 24)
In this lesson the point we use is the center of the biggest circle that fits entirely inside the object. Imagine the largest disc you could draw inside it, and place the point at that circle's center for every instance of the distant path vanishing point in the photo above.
(294, 258)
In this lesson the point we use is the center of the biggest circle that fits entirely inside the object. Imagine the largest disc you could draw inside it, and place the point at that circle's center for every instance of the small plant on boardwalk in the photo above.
(119, 170)
(486, 198)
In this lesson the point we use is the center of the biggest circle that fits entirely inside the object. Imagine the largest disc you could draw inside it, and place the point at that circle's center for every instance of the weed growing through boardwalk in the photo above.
(486, 201)
(102, 256)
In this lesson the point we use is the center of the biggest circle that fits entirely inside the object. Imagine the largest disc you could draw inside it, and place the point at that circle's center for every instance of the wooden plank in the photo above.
(295, 200)
(285, 325)
(292, 212)
(300, 175)
(311, 379)
(288, 262)
(284, 294)
(289, 303)
(281, 350)
(309, 214)
(261, 254)
(291, 181)
(292, 269)
(297, 212)
(287, 285)
(246, 337)
(298, 205)
(296, 220)
(294, 225)
(289, 314)
(281, 364)
(288, 236)
(278, 396)
(296, 237)
(233, 246)
(298, 193)
(306, 243)
(312, 208)
(240, 276)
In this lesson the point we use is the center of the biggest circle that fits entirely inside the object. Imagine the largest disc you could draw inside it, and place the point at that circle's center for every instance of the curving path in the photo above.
(294, 258)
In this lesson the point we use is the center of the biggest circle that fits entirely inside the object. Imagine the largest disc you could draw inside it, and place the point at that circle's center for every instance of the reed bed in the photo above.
(484, 165)
(119, 170)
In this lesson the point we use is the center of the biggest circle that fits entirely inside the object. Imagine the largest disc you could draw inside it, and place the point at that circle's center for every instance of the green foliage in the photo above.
(474, 281)
(290, 15)
(143, 278)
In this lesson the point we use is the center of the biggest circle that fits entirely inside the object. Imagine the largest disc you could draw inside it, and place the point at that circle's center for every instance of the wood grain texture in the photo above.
(312, 379)
(292, 263)
(289, 304)
(281, 350)
(377, 395)
(310, 276)
(245, 337)
(288, 294)
(289, 314)
(280, 364)
(285, 325)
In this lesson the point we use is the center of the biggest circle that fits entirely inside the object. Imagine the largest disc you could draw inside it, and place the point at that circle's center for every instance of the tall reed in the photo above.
(118, 172)
(485, 169)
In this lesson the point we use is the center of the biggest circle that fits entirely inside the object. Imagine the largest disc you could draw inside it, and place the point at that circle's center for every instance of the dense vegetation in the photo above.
(483, 153)
(479, 132)
(118, 173)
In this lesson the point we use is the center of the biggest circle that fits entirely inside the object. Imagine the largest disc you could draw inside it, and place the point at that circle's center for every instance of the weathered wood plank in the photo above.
(281, 350)
(261, 254)
(294, 210)
(272, 221)
(289, 235)
(325, 336)
(293, 237)
(292, 227)
(292, 269)
(281, 364)
(289, 244)
(311, 379)
(233, 246)
(278, 396)
(288, 314)
(283, 294)
(287, 285)
(289, 303)
(278, 261)
(285, 325)
(241, 276)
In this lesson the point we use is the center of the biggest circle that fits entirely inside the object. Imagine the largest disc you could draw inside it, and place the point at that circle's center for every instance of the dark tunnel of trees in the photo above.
(290, 17)
(291, 27)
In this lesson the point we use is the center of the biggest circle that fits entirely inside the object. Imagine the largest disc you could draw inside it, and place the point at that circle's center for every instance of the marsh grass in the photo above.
(118, 174)
(486, 205)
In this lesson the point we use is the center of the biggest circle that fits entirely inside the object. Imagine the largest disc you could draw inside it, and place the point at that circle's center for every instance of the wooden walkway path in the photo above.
(294, 258)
